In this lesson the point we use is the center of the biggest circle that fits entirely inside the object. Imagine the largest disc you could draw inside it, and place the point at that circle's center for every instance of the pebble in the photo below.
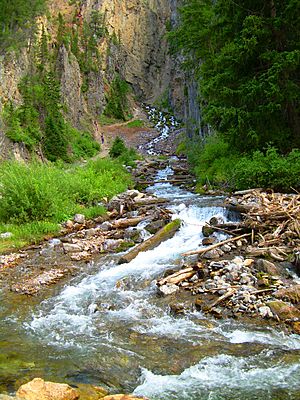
(265, 312)
(79, 219)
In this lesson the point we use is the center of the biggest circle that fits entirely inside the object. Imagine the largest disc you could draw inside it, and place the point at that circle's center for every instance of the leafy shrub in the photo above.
(82, 143)
(212, 161)
(269, 170)
(137, 123)
(125, 156)
(39, 192)
(32, 193)
(216, 164)
(118, 147)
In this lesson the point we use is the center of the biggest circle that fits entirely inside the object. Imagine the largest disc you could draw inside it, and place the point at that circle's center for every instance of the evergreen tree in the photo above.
(247, 57)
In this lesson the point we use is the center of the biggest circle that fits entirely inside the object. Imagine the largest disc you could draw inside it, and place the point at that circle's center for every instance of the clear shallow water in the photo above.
(107, 326)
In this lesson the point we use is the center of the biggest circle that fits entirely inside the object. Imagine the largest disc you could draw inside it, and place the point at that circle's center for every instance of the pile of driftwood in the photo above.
(273, 219)
(270, 222)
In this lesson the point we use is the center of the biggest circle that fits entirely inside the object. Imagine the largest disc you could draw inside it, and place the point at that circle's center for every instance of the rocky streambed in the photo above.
(162, 325)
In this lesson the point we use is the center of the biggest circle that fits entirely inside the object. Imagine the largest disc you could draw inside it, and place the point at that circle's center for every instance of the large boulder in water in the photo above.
(38, 389)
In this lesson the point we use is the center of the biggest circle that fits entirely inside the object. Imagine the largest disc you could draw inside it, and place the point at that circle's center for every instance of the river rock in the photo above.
(291, 294)
(207, 241)
(123, 397)
(267, 266)
(79, 219)
(6, 235)
(71, 248)
(105, 226)
(284, 310)
(38, 389)
(167, 290)
(265, 312)
(154, 226)
(226, 248)
(207, 231)
(213, 254)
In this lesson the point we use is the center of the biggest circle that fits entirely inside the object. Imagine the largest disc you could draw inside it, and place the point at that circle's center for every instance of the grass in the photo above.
(105, 120)
(137, 123)
(35, 198)
(25, 234)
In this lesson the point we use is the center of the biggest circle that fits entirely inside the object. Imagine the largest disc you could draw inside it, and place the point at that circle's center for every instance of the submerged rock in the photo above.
(38, 389)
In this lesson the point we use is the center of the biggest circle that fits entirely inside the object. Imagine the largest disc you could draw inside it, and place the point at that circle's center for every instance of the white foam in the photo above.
(219, 375)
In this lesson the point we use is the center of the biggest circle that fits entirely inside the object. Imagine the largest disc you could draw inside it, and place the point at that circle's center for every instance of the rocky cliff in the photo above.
(135, 47)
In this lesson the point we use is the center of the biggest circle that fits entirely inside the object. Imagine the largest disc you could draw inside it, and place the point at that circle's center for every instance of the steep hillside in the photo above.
(92, 48)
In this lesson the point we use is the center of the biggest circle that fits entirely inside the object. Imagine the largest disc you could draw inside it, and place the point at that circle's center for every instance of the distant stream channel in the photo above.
(108, 327)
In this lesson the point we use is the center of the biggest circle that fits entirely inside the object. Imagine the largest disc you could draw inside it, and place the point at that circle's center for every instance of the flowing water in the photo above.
(164, 123)
(109, 327)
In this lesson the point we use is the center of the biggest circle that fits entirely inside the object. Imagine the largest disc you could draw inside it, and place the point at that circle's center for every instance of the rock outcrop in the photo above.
(38, 389)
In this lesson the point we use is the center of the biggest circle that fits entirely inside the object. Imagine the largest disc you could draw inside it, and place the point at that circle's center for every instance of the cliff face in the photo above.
(135, 47)
(139, 53)
(141, 26)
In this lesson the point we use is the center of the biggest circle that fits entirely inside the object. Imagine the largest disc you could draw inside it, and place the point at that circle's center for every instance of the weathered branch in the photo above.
(215, 246)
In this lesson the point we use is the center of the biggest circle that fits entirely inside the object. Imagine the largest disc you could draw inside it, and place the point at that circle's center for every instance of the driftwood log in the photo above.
(177, 277)
(215, 246)
(127, 222)
(163, 234)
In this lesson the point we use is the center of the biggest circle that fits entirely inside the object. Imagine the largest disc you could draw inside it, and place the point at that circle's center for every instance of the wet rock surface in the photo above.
(38, 389)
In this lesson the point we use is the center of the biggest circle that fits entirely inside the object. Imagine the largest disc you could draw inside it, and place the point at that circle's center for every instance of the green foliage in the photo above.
(31, 232)
(55, 141)
(137, 123)
(117, 104)
(216, 164)
(119, 150)
(246, 55)
(82, 144)
(118, 147)
(39, 192)
(17, 21)
(31, 193)
(213, 161)
(34, 198)
(105, 120)
(269, 170)
(39, 120)
(181, 149)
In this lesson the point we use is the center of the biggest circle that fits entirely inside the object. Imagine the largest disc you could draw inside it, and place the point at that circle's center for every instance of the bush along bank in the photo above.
(217, 165)
(35, 198)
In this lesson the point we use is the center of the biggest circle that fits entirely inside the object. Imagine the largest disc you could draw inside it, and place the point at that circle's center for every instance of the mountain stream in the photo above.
(109, 327)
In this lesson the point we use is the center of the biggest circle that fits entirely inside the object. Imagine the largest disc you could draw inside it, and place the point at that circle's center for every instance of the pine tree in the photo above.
(247, 58)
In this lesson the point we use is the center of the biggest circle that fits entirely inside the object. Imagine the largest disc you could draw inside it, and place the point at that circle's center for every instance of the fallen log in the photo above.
(220, 299)
(214, 246)
(177, 277)
(126, 222)
(247, 191)
(147, 202)
(163, 234)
